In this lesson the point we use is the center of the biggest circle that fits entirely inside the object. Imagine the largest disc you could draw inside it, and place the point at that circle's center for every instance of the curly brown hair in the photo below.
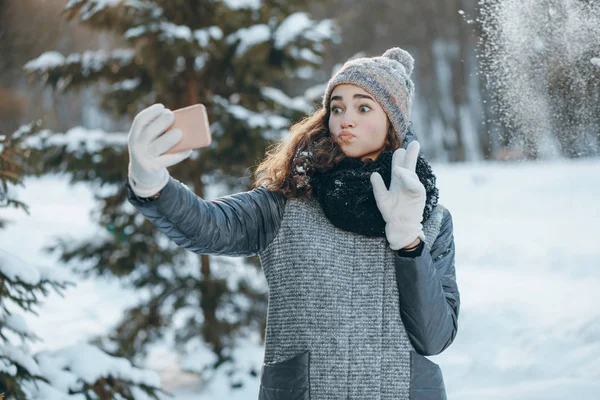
(290, 162)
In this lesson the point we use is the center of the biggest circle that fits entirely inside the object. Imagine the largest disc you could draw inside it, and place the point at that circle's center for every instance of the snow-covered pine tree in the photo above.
(73, 373)
(239, 58)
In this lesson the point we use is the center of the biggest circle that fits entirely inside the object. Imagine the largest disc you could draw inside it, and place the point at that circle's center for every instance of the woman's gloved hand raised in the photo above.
(402, 205)
(146, 143)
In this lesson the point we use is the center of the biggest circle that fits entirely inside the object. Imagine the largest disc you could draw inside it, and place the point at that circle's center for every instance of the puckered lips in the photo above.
(346, 136)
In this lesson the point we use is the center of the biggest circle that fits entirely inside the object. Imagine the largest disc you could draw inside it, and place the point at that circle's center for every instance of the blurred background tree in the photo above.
(239, 59)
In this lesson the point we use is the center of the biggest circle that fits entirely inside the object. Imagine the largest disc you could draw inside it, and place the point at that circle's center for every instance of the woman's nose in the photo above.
(347, 120)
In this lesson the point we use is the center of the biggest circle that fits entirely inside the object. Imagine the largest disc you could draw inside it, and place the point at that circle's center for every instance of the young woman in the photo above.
(357, 253)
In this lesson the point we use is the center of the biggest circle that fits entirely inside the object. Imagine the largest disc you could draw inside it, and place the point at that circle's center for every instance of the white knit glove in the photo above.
(147, 164)
(402, 205)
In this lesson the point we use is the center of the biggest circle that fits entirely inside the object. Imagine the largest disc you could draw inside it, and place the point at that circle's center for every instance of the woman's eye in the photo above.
(364, 109)
(335, 110)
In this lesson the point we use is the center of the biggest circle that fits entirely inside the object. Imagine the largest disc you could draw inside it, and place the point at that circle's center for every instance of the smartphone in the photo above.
(193, 122)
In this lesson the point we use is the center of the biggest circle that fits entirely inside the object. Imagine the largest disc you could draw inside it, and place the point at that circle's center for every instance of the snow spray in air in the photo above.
(541, 60)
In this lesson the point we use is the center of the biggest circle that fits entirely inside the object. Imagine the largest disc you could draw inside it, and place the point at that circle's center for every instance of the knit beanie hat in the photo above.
(386, 78)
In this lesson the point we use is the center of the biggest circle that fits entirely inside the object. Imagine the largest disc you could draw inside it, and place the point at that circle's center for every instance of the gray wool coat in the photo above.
(348, 318)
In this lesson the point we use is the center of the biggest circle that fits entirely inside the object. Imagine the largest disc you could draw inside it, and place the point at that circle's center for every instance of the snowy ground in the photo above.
(527, 268)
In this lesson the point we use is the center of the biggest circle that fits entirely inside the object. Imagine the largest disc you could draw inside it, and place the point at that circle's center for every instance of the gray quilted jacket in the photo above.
(348, 317)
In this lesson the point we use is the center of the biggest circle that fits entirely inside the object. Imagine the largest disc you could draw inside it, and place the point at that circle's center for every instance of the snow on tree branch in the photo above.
(78, 139)
(168, 31)
(249, 37)
(299, 25)
(299, 103)
(89, 61)
(243, 4)
(273, 124)
(89, 8)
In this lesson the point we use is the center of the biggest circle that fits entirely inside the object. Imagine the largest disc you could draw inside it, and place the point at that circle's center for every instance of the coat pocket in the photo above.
(287, 379)
(426, 380)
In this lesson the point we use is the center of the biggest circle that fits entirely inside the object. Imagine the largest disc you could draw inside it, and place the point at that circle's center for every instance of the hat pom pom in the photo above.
(402, 56)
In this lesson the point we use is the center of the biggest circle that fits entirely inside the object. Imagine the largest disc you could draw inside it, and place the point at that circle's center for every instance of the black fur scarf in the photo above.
(346, 194)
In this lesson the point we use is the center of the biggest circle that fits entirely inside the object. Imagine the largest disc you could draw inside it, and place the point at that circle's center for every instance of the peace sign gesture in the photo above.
(402, 205)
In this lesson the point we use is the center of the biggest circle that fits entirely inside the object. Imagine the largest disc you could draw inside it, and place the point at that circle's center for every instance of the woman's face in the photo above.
(357, 122)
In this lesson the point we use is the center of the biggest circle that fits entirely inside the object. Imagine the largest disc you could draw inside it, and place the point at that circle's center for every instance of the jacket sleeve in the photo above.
(242, 224)
(429, 296)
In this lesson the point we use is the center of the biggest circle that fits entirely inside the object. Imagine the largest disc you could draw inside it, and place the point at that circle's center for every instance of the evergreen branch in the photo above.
(103, 15)
(6, 202)
(32, 337)
(79, 69)
(111, 387)
(13, 388)
(26, 295)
